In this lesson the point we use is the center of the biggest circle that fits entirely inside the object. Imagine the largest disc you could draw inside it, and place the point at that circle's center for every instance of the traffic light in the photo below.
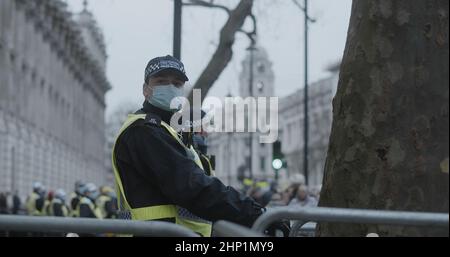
(278, 159)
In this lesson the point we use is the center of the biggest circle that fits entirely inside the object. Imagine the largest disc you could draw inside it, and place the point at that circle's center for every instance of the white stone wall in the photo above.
(93, 37)
(51, 99)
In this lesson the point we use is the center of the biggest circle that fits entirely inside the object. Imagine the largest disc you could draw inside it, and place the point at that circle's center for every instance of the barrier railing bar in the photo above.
(228, 229)
(361, 216)
(93, 226)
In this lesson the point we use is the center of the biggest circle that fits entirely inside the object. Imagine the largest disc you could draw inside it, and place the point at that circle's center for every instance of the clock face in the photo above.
(260, 86)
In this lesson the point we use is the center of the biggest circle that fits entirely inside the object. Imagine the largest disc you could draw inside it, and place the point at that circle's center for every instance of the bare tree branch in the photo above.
(211, 4)
(207, 4)
(224, 52)
(251, 35)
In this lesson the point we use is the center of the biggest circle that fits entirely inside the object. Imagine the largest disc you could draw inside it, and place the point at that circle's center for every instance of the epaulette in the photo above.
(153, 119)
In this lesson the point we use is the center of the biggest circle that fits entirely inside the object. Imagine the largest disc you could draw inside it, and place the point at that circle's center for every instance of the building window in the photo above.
(262, 164)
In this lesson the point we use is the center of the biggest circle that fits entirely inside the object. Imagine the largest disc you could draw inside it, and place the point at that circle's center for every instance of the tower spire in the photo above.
(85, 4)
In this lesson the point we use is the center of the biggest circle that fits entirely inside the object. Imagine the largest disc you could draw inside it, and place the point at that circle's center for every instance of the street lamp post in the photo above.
(306, 120)
(250, 82)
(177, 29)
(305, 156)
(13, 169)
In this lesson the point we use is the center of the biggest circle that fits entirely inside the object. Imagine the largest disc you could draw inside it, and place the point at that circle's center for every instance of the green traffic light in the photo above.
(277, 164)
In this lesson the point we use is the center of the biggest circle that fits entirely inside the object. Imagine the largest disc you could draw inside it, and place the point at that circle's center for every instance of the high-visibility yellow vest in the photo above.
(248, 182)
(45, 209)
(73, 211)
(51, 212)
(101, 204)
(262, 184)
(94, 209)
(31, 204)
(182, 216)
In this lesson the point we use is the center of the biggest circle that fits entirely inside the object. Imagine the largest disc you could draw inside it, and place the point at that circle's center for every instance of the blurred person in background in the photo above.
(75, 198)
(4, 211)
(35, 201)
(87, 207)
(47, 203)
(303, 199)
(17, 203)
(289, 193)
(3, 204)
(106, 203)
(58, 207)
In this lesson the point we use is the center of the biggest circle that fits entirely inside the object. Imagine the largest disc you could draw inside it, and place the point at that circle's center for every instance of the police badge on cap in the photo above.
(167, 62)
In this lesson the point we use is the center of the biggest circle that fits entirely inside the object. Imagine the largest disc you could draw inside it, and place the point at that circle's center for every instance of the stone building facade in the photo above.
(52, 88)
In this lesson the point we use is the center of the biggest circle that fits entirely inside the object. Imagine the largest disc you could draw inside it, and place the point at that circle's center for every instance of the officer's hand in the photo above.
(280, 228)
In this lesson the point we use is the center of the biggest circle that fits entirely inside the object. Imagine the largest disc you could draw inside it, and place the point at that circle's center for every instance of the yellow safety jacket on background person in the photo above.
(46, 209)
(86, 201)
(74, 202)
(101, 204)
(51, 209)
(248, 182)
(181, 215)
(31, 204)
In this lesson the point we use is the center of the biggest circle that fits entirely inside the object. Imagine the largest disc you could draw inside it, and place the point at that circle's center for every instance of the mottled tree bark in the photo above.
(389, 145)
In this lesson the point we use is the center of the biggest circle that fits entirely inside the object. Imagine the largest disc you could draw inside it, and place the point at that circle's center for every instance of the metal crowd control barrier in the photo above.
(92, 226)
(302, 229)
(228, 229)
(360, 216)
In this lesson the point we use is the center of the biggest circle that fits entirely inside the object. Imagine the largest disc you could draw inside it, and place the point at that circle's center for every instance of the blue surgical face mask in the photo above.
(164, 94)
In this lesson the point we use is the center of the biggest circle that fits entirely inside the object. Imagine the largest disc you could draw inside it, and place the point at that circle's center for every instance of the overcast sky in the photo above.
(138, 30)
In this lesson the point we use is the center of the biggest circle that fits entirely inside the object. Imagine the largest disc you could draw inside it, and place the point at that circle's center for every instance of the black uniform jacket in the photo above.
(155, 169)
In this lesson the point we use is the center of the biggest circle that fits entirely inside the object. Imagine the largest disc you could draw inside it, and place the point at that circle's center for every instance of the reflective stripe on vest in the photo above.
(101, 204)
(208, 162)
(88, 202)
(181, 215)
(64, 209)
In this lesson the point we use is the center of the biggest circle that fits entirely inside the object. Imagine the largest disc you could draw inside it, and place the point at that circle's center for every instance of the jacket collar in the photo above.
(163, 114)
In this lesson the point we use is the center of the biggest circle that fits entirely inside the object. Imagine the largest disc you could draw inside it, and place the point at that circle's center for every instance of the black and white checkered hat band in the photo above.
(163, 64)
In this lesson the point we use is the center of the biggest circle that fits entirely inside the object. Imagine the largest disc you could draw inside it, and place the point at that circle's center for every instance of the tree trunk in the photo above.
(224, 51)
(389, 145)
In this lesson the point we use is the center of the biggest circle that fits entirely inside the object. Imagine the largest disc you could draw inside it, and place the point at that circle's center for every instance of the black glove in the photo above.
(280, 228)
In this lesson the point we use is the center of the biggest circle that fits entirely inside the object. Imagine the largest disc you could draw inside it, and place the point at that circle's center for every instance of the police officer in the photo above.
(106, 203)
(47, 204)
(160, 178)
(87, 207)
(58, 207)
(35, 201)
(75, 198)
